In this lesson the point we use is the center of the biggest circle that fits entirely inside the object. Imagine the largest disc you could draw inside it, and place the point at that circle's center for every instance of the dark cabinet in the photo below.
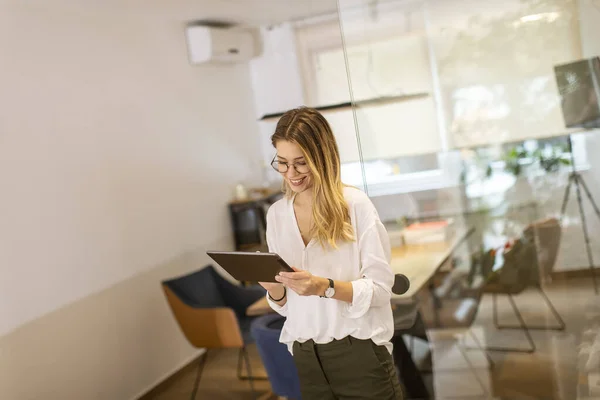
(248, 220)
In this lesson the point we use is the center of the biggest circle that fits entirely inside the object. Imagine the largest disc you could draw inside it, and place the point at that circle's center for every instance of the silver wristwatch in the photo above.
(330, 291)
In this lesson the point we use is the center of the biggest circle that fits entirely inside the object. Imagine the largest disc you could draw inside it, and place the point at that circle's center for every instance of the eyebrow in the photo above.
(283, 158)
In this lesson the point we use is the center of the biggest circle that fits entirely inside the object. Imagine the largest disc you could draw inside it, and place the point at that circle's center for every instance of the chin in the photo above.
(298, 189)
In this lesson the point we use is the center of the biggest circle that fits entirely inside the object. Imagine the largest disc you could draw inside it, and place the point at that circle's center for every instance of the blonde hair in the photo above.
(311, 132)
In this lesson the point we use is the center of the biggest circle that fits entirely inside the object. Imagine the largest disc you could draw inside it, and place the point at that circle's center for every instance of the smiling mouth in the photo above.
(297, 182)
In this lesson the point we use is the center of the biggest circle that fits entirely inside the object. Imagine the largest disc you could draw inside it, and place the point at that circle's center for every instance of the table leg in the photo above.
(410, 377)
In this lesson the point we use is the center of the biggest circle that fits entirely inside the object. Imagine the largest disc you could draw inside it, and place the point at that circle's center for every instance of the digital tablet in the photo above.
(250, 266)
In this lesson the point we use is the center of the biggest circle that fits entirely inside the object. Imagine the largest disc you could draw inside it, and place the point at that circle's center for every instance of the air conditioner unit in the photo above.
(229, 45)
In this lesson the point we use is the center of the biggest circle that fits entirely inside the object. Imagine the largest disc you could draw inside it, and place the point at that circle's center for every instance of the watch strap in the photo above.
(331, 285)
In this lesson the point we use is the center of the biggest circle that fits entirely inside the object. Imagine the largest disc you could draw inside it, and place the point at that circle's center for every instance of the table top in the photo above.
(418, 262)
(259, 307)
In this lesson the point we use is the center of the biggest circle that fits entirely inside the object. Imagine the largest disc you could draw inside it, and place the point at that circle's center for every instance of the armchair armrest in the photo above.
(216, 327)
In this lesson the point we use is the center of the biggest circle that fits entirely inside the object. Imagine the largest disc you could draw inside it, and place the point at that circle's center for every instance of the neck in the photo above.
(304, 199)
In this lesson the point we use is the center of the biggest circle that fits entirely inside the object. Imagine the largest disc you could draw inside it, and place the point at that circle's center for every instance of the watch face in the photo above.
(329, 292)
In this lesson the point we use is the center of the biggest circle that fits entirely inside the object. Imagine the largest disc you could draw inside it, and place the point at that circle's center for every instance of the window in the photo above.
(397, 141)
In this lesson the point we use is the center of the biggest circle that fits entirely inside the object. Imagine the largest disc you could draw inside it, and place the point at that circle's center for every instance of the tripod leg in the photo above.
(563, 208)
(589, 195)
(585, 233)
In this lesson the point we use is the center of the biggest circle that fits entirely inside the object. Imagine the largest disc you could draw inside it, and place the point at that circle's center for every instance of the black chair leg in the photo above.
(462, 350)
(241, 355)
(409, 375)
(470, 367)
(199, 374)
(250, 378)
(557, 317)
(239, 368)
(480, 348)
(522, 326)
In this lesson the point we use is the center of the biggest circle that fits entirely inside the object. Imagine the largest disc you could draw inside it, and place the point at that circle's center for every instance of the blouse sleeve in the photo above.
(374, 288)
(272, 245)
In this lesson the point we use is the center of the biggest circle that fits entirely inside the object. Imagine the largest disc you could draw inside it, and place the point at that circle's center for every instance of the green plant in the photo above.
(512, 160)
(550, 158)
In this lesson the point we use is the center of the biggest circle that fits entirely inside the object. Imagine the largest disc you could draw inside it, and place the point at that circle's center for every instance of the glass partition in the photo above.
(460, 122)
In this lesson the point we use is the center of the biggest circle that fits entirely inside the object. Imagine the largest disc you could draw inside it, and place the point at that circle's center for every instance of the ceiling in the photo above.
(262, 12)
(245, 12)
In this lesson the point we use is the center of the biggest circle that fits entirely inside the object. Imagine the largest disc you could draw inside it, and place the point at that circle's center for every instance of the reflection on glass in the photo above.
(486, 147)
(497, 65)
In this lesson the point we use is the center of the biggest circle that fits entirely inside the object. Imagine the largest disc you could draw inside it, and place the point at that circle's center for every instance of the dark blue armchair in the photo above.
(275, 356)
(211, 312)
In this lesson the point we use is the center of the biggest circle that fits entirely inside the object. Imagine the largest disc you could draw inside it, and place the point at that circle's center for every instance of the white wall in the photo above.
(117, 159)
(589, 23)
(276, 84)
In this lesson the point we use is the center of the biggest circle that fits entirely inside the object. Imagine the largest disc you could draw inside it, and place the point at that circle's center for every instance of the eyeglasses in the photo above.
(301, 167)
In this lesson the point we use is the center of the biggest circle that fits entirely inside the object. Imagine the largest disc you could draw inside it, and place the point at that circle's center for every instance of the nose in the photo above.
(291, 172)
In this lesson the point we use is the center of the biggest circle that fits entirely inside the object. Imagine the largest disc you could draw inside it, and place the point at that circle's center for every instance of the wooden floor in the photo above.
(552, 373)
(219, 379)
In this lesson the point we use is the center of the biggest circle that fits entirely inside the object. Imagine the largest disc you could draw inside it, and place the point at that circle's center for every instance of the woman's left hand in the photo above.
(303, 282)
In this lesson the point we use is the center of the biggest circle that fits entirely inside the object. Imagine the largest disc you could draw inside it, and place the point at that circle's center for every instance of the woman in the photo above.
(337, 302)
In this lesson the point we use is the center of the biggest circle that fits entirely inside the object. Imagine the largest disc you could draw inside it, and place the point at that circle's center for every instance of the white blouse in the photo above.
(364, 262)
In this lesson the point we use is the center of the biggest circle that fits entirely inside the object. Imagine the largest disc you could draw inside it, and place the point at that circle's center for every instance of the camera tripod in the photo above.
(576, 179)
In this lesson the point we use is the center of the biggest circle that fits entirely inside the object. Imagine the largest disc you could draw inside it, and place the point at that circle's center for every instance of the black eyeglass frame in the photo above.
(274, 162)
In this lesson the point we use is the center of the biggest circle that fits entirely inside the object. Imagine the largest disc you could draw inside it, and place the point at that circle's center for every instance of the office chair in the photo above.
(529, 261)
(211, 312)
(546, 235)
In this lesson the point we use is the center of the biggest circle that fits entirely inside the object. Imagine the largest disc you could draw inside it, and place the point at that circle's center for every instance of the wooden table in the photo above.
(421, 262)
(260, 307)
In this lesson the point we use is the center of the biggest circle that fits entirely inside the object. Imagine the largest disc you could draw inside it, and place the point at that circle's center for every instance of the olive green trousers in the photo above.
(346, 369)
